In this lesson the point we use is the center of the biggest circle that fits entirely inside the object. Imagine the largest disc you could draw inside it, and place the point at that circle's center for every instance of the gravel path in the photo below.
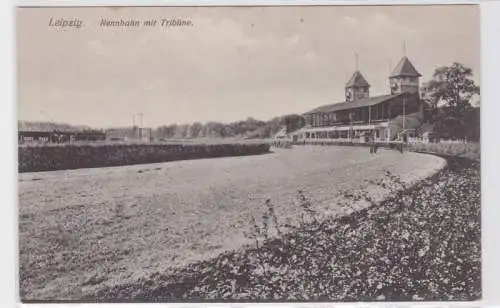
(83, 230)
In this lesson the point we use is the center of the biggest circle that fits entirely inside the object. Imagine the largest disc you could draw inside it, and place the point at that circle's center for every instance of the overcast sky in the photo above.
(232, 63)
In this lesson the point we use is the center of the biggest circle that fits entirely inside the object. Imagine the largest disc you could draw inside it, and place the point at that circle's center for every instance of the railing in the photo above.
(427, 140)
(454, 141)
(417, 140)
(282, 143)
(325, 141)
(356, 141)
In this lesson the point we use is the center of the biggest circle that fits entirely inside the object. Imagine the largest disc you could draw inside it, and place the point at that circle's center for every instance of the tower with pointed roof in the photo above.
(357, 88)
(404, 78)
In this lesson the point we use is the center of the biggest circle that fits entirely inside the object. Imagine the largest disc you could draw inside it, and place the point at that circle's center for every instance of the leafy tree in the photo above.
(293, 122)
(472, 124)
(250, 127)
(449, 94)
(195, 130)
(453, 87)
(164, 132)
(181, 131)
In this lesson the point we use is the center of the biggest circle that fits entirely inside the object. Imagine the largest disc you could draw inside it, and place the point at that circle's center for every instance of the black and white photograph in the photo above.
(249, 153)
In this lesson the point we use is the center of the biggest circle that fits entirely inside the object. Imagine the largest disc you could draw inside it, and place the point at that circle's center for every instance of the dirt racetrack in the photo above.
(82, 229)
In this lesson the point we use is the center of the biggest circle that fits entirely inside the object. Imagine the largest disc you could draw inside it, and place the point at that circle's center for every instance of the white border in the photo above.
(8, 169)
(490, 101)
(490, 150)
(232, 2)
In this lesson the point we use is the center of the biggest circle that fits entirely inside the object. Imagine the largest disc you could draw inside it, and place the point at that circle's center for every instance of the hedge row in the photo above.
(471, 150)
(49, 158)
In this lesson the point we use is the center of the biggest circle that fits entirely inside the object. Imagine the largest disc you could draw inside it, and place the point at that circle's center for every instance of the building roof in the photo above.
(405, 68)
(365, 102)
(357, 80)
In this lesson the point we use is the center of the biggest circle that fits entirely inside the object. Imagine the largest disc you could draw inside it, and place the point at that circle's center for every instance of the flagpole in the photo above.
(404, 112)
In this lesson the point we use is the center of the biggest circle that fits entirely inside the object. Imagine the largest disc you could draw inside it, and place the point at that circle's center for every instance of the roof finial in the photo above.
(404, 48)
(357, 61)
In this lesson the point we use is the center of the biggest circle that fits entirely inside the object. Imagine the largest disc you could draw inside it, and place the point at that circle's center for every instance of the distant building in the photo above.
(35, 137)
(121, 133)
(361, 113)
(131, 134)
(146, 134)
(59, 137)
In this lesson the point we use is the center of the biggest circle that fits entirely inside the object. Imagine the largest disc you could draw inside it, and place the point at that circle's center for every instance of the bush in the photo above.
(467, 150)
(470, 150)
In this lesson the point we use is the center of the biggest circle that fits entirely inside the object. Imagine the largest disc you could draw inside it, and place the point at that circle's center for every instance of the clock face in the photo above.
(349, 94)
(394, 86)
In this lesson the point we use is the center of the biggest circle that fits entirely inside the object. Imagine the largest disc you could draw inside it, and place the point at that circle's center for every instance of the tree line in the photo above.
(249, 128)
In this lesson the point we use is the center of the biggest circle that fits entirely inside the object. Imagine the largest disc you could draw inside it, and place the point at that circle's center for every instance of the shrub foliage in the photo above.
(48, 158)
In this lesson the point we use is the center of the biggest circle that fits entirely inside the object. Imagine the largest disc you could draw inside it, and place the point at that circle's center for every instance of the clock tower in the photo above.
(357, 88)
(404, 78)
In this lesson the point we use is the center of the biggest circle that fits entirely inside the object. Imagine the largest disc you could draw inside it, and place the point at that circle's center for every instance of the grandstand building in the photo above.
(385, 116)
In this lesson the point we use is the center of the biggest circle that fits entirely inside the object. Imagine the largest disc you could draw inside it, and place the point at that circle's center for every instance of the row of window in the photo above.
(355, 116)
(340, 134)
(405, 79)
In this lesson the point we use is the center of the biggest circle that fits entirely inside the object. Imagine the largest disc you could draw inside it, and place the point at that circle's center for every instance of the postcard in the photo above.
(249, 154)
